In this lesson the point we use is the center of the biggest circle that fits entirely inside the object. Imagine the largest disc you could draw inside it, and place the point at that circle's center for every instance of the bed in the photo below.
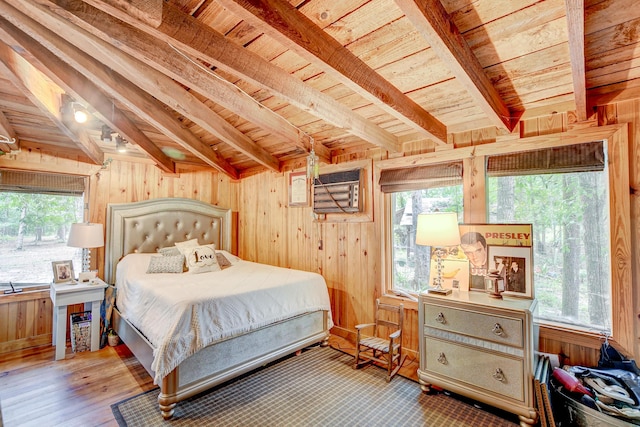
(209, 351)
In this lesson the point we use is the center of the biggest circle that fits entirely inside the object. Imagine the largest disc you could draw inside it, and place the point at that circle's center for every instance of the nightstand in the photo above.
(63, 294)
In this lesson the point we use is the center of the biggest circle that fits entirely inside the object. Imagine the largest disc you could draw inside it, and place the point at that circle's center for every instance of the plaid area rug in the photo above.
(317, 388)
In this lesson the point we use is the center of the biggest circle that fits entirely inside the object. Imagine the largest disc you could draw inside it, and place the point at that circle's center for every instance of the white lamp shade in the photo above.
(86, 235)
(438, 229)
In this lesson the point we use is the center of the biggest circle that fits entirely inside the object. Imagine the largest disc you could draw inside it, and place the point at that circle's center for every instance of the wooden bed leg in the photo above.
(167, 410)
(324, 342)
(167, 398)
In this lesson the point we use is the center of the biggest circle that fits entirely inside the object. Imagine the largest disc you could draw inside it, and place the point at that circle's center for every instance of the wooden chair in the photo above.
(385, 345)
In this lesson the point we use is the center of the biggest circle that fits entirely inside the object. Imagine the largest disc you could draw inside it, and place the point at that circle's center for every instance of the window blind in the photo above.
(588, 157)
(421, 177)
(42, 183)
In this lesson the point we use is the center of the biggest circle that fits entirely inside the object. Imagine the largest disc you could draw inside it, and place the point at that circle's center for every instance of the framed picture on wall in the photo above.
(298, 189)
(506, 249)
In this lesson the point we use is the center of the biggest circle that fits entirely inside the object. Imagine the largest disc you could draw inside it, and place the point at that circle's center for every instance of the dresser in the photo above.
(480, 347)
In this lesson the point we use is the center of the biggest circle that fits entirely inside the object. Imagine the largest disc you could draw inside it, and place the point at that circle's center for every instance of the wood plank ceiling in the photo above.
(243, 86)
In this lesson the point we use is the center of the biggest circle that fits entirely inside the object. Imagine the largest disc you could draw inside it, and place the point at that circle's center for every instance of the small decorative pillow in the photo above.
(187, 243)
(223, 262)
(201, 259)
(169, 251)
(229, 256)
(166, 264)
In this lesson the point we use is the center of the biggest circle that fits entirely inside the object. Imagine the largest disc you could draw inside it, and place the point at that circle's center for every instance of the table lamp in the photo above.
(438, 230)
(86, 235)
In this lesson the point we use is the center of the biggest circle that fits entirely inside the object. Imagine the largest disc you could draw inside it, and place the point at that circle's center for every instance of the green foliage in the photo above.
(551, 202)
(411, 262)
(37, 213)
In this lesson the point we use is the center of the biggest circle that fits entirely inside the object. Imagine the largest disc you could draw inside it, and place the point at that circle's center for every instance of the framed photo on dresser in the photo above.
(502, 249)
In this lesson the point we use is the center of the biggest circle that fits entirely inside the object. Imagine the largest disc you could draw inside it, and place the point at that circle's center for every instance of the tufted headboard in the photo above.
(149, 225)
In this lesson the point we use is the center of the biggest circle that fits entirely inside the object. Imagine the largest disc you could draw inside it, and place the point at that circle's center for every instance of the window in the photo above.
(434, 188)
(481, 195)
(36, 212)
(563, 192)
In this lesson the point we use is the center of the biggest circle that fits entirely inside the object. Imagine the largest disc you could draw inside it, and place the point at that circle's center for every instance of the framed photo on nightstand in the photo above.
(62, 271)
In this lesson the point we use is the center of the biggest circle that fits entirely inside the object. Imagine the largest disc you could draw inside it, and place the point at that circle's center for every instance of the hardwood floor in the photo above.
(36, 390)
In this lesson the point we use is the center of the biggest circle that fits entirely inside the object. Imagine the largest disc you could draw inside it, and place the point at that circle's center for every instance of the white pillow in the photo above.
(169, 251)
(187, 243)
(200, 259)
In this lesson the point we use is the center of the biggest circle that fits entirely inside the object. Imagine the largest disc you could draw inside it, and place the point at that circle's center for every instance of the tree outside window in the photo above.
(570, 217)
(411, 262)
(33, 232)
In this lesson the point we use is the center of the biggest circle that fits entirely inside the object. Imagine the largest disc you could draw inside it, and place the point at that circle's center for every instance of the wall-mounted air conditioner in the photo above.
(338, 192)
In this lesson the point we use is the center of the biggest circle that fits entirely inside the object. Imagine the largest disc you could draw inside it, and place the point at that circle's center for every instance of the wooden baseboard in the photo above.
(350, 336)
(21, 344)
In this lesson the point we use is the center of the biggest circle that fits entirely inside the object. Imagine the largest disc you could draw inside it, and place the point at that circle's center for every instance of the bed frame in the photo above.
(146, 226)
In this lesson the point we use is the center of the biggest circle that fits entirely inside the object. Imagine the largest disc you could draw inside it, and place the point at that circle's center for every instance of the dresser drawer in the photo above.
(500, 329)
(499, 374)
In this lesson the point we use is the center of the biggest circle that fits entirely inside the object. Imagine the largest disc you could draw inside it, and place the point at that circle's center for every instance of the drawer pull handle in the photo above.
(499, 375)
(497, 329)
(442, 359)
(440, 318)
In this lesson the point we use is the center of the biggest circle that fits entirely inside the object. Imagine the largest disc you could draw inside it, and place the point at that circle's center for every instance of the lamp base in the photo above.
(496, 295)
(440, 291)
(86, 260)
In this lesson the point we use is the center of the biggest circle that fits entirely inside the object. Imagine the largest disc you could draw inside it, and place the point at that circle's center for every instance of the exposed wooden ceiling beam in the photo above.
(433, 22)
(203, 42)
(149, 11)
(82, 89)
(167, 91)
(575, 26)
(162, 88)
(139, 102)
(283, 22)
(192, 74)
(6, 131)
(47, 96)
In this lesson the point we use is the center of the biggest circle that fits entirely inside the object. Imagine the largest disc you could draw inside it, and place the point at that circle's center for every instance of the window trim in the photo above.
(623, 320)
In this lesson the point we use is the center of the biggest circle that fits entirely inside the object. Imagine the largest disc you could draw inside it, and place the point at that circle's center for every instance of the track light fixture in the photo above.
(105, 134)
(121, 144)
(80, 113)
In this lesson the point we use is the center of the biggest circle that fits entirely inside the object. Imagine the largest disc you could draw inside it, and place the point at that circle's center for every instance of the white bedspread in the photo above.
(182, 313)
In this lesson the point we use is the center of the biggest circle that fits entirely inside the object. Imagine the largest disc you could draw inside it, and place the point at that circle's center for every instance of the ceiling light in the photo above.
(80, 114)
(105, 135)
(121, 144)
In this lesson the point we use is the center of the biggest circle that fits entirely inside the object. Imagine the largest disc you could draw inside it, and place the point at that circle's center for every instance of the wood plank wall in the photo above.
(346, 254)
(125, 181)
(350, 257)
(25, 320)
